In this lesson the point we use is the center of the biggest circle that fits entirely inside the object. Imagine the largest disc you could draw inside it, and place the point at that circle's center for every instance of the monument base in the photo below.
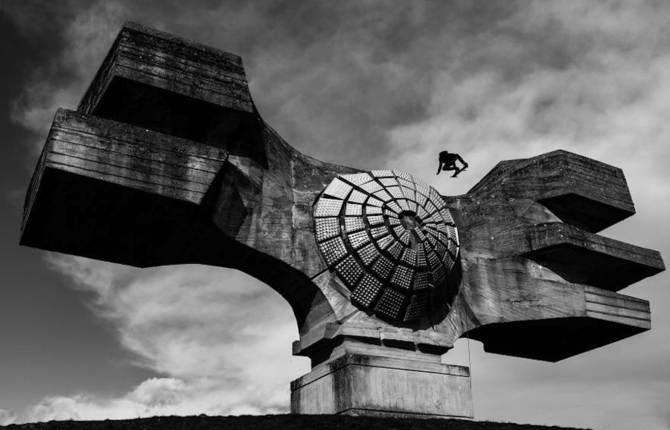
(380, 382)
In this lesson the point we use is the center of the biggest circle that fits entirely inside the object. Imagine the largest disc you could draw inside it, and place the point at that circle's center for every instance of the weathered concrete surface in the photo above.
(532, 280)
(157, 81)
(144, 55)
(167, 161)
(359, 379)
(580, 191)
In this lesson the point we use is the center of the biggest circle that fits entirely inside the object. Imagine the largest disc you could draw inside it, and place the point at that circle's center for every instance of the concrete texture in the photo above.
(167, 161)
(359, 379)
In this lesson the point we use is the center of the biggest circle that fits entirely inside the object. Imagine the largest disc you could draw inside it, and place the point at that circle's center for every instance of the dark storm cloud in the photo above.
(366, 67)
(331, 76)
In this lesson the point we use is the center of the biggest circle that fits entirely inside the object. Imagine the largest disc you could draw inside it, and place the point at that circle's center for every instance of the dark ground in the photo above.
(275, 422)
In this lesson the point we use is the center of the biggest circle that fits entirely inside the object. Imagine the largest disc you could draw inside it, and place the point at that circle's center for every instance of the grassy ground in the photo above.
(276, 422)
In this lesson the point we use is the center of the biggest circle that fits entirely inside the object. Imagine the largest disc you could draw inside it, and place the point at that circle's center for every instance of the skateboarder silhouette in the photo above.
(448, 163)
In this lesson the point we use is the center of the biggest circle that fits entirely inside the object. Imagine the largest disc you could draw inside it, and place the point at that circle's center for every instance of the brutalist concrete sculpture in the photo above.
(167, 161)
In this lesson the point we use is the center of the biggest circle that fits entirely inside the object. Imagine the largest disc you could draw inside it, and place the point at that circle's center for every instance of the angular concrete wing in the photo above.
(167, 161)
(537, 282)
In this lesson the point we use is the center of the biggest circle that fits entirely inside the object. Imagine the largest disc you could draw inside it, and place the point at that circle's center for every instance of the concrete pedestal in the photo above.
(356, 383)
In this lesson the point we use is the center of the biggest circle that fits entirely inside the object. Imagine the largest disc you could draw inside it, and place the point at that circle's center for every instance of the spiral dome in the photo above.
(389, 238)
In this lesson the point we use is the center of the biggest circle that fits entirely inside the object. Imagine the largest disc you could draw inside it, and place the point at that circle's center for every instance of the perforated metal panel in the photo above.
(438, 273)
(403, 236)
(337, 189)
(373, 210)
(353, 223)
(431, 208)
(421, 201)
(375, 220)
(371, 187)
(357, 197)
(422, 280)
(327, 227)
(382, 267)
(389, 239)
(404, 205)
(433, 259)
(409, 193)
(390, 303)
(440, 249)
(383, 195)
(421, 257)
(395, 192)
(357, 179)
(368, 254)
(453, 248)
(385, 241)
(388, 182)
(366, 291)
(446, 215)
(417, 305)
(349, 269)
(395, 249)
(333, 250)
(394, 207)
(379, 231)
(402, 277)
(399, 230)
(359, 239)
(422, 188)
(353, 209)
(383, 173)
(409, 257)
(373, 201)
(327, 207)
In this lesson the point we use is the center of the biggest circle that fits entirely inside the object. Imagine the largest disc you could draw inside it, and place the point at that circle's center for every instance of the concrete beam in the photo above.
(580, 191)
(156, 81)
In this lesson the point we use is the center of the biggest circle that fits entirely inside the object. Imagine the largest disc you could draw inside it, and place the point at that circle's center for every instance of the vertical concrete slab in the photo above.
(358, 384)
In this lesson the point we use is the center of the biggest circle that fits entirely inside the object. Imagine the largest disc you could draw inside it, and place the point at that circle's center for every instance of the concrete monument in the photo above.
(167, 161)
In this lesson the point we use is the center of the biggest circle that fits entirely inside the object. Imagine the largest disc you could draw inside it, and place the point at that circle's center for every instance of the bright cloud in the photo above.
(222, 338)
(6, 417)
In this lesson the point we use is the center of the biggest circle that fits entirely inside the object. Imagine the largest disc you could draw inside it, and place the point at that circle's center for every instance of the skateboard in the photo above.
(458, 171)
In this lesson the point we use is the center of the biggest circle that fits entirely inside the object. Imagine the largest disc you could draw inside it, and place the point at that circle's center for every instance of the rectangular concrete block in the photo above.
(149, 57)
(356, 384)
(174, 86)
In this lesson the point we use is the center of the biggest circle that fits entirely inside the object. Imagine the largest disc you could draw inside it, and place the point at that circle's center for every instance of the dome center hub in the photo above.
(409, 220)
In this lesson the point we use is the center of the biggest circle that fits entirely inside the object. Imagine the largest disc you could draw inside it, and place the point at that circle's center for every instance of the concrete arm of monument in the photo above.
(167, 161)
(537, 281)
(532, 279)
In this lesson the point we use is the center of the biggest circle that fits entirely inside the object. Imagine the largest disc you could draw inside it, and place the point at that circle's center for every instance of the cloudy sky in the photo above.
(372, 84)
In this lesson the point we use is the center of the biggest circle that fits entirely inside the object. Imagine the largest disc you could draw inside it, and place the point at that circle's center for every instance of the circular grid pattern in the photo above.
(389, 238)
